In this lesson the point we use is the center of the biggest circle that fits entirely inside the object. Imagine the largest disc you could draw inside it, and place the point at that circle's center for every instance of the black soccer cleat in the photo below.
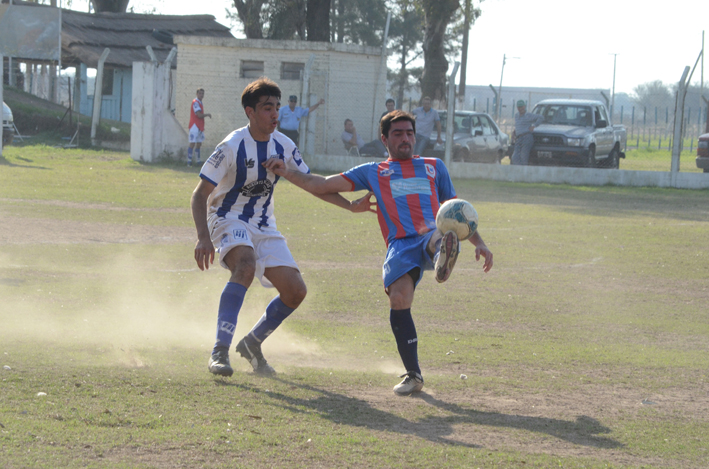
(251, 351)
(219, 363)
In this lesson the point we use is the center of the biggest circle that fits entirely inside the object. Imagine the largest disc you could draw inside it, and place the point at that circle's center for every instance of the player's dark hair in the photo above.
(395, 116)
(256, 89)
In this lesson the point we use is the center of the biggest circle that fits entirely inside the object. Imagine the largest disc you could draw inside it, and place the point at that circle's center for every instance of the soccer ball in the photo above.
(457, 215)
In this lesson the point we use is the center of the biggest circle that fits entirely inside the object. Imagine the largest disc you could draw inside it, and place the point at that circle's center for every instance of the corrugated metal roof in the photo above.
(84, 35)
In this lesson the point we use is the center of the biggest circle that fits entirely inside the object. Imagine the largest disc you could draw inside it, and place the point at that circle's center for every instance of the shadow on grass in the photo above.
(5, 162)
(347, 410)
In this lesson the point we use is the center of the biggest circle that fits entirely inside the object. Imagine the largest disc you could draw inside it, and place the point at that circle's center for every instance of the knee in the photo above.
(295, 295)
(397, 300)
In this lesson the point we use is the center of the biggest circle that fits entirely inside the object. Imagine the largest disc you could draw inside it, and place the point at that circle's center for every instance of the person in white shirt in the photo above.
(233, 209)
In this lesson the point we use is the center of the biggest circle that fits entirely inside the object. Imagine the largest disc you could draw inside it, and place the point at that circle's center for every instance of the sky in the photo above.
(554, 43)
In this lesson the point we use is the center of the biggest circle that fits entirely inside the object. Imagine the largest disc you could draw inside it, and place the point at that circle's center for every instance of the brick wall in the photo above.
(348, 77)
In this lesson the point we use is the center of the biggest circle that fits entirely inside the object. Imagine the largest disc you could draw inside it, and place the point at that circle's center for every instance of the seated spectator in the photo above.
(350, 137)
(354, 144)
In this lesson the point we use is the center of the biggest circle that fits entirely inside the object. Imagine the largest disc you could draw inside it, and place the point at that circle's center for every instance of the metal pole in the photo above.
(451, 112)
(679, 120)
(498, 102)
(98, 91)
(613, 95)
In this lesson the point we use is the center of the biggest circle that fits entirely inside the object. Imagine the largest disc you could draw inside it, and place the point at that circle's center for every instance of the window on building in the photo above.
(292, 71)
(107, 85)
(251, 68)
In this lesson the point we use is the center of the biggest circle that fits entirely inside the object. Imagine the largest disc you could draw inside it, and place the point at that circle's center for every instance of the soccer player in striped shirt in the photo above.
(232, 207)
(408, 190)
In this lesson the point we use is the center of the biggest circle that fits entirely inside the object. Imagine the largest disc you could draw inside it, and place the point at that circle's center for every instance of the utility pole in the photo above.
(464, 52)
(615, 56)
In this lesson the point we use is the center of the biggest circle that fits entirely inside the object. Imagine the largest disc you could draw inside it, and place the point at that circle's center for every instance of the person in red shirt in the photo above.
(196, 127)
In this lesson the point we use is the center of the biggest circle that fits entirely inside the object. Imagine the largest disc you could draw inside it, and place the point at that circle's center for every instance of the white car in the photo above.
(8, 128)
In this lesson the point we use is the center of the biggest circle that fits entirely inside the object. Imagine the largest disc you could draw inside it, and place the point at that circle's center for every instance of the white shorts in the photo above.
(270, 247)
(196, 135)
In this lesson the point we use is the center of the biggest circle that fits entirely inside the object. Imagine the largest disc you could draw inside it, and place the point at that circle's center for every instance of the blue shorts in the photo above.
(404, 255)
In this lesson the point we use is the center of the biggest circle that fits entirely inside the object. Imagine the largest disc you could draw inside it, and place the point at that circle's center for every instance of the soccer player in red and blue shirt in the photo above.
(409, 191)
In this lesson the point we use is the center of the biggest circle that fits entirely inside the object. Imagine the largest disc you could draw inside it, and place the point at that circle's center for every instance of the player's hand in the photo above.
(482, 250)
(439, 140)
(276, 165)
(364, 204)
(204, 253)
(322, 101)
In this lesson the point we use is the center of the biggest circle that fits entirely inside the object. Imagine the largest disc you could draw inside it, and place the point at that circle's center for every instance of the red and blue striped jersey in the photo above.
(408, 193)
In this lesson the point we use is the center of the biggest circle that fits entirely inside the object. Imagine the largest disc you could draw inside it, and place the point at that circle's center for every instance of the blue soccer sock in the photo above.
(229, 306)
(197, 154)
(189, 155)
(402, 325)
(276, 312)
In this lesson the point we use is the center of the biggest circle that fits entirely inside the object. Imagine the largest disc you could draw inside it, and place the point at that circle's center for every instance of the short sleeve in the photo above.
(215, 168)
(436, 116)
(446, 191)
(358, 176)
(294, 160)
(196, 107)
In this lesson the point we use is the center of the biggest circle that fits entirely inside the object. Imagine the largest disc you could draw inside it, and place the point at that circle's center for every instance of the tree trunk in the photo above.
(249, 12)
(317, 20)
(111, 6)
(437, 14)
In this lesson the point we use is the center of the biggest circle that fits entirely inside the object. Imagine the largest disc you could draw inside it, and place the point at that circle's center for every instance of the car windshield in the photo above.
(461, 123)
(561, 114)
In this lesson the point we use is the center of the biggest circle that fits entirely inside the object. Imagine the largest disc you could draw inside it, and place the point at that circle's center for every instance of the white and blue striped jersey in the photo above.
(244, 188)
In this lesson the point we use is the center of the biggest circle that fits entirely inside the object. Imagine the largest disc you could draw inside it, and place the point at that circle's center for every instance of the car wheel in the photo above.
(591, 158)
(461, 154)
(613, 160)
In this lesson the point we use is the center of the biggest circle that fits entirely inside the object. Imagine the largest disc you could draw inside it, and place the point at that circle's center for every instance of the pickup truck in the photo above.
(577, 132)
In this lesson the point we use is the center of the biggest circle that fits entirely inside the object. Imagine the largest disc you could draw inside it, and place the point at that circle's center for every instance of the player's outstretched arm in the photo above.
(363, 204)
(482, 250)
(204, 249)
(313, 183)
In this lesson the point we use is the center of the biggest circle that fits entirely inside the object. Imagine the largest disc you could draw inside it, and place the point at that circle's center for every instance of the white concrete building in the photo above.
(351, 79)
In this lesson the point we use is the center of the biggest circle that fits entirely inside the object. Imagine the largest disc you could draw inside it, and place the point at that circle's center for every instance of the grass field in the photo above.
(584, 347)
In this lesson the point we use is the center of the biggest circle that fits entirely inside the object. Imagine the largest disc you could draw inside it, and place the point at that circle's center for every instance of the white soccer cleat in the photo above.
(413, 382)
(447, 256)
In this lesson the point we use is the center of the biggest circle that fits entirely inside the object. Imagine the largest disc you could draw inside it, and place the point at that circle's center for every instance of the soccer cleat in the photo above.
(447, 256)
(251, 351)
(413, 382)
(219, 363)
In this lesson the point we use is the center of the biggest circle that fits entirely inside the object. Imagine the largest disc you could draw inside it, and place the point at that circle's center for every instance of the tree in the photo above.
(287, 20)
(406, 35)
(111, 6)
(437, 16)
(358, 21)
(250, 15)
(653, 94)
(317, 20)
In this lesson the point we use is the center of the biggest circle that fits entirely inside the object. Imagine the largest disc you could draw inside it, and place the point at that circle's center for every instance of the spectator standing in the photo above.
(525, 122)
(391, 105)
(289, 117)
(196, 127)
(426, 120)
